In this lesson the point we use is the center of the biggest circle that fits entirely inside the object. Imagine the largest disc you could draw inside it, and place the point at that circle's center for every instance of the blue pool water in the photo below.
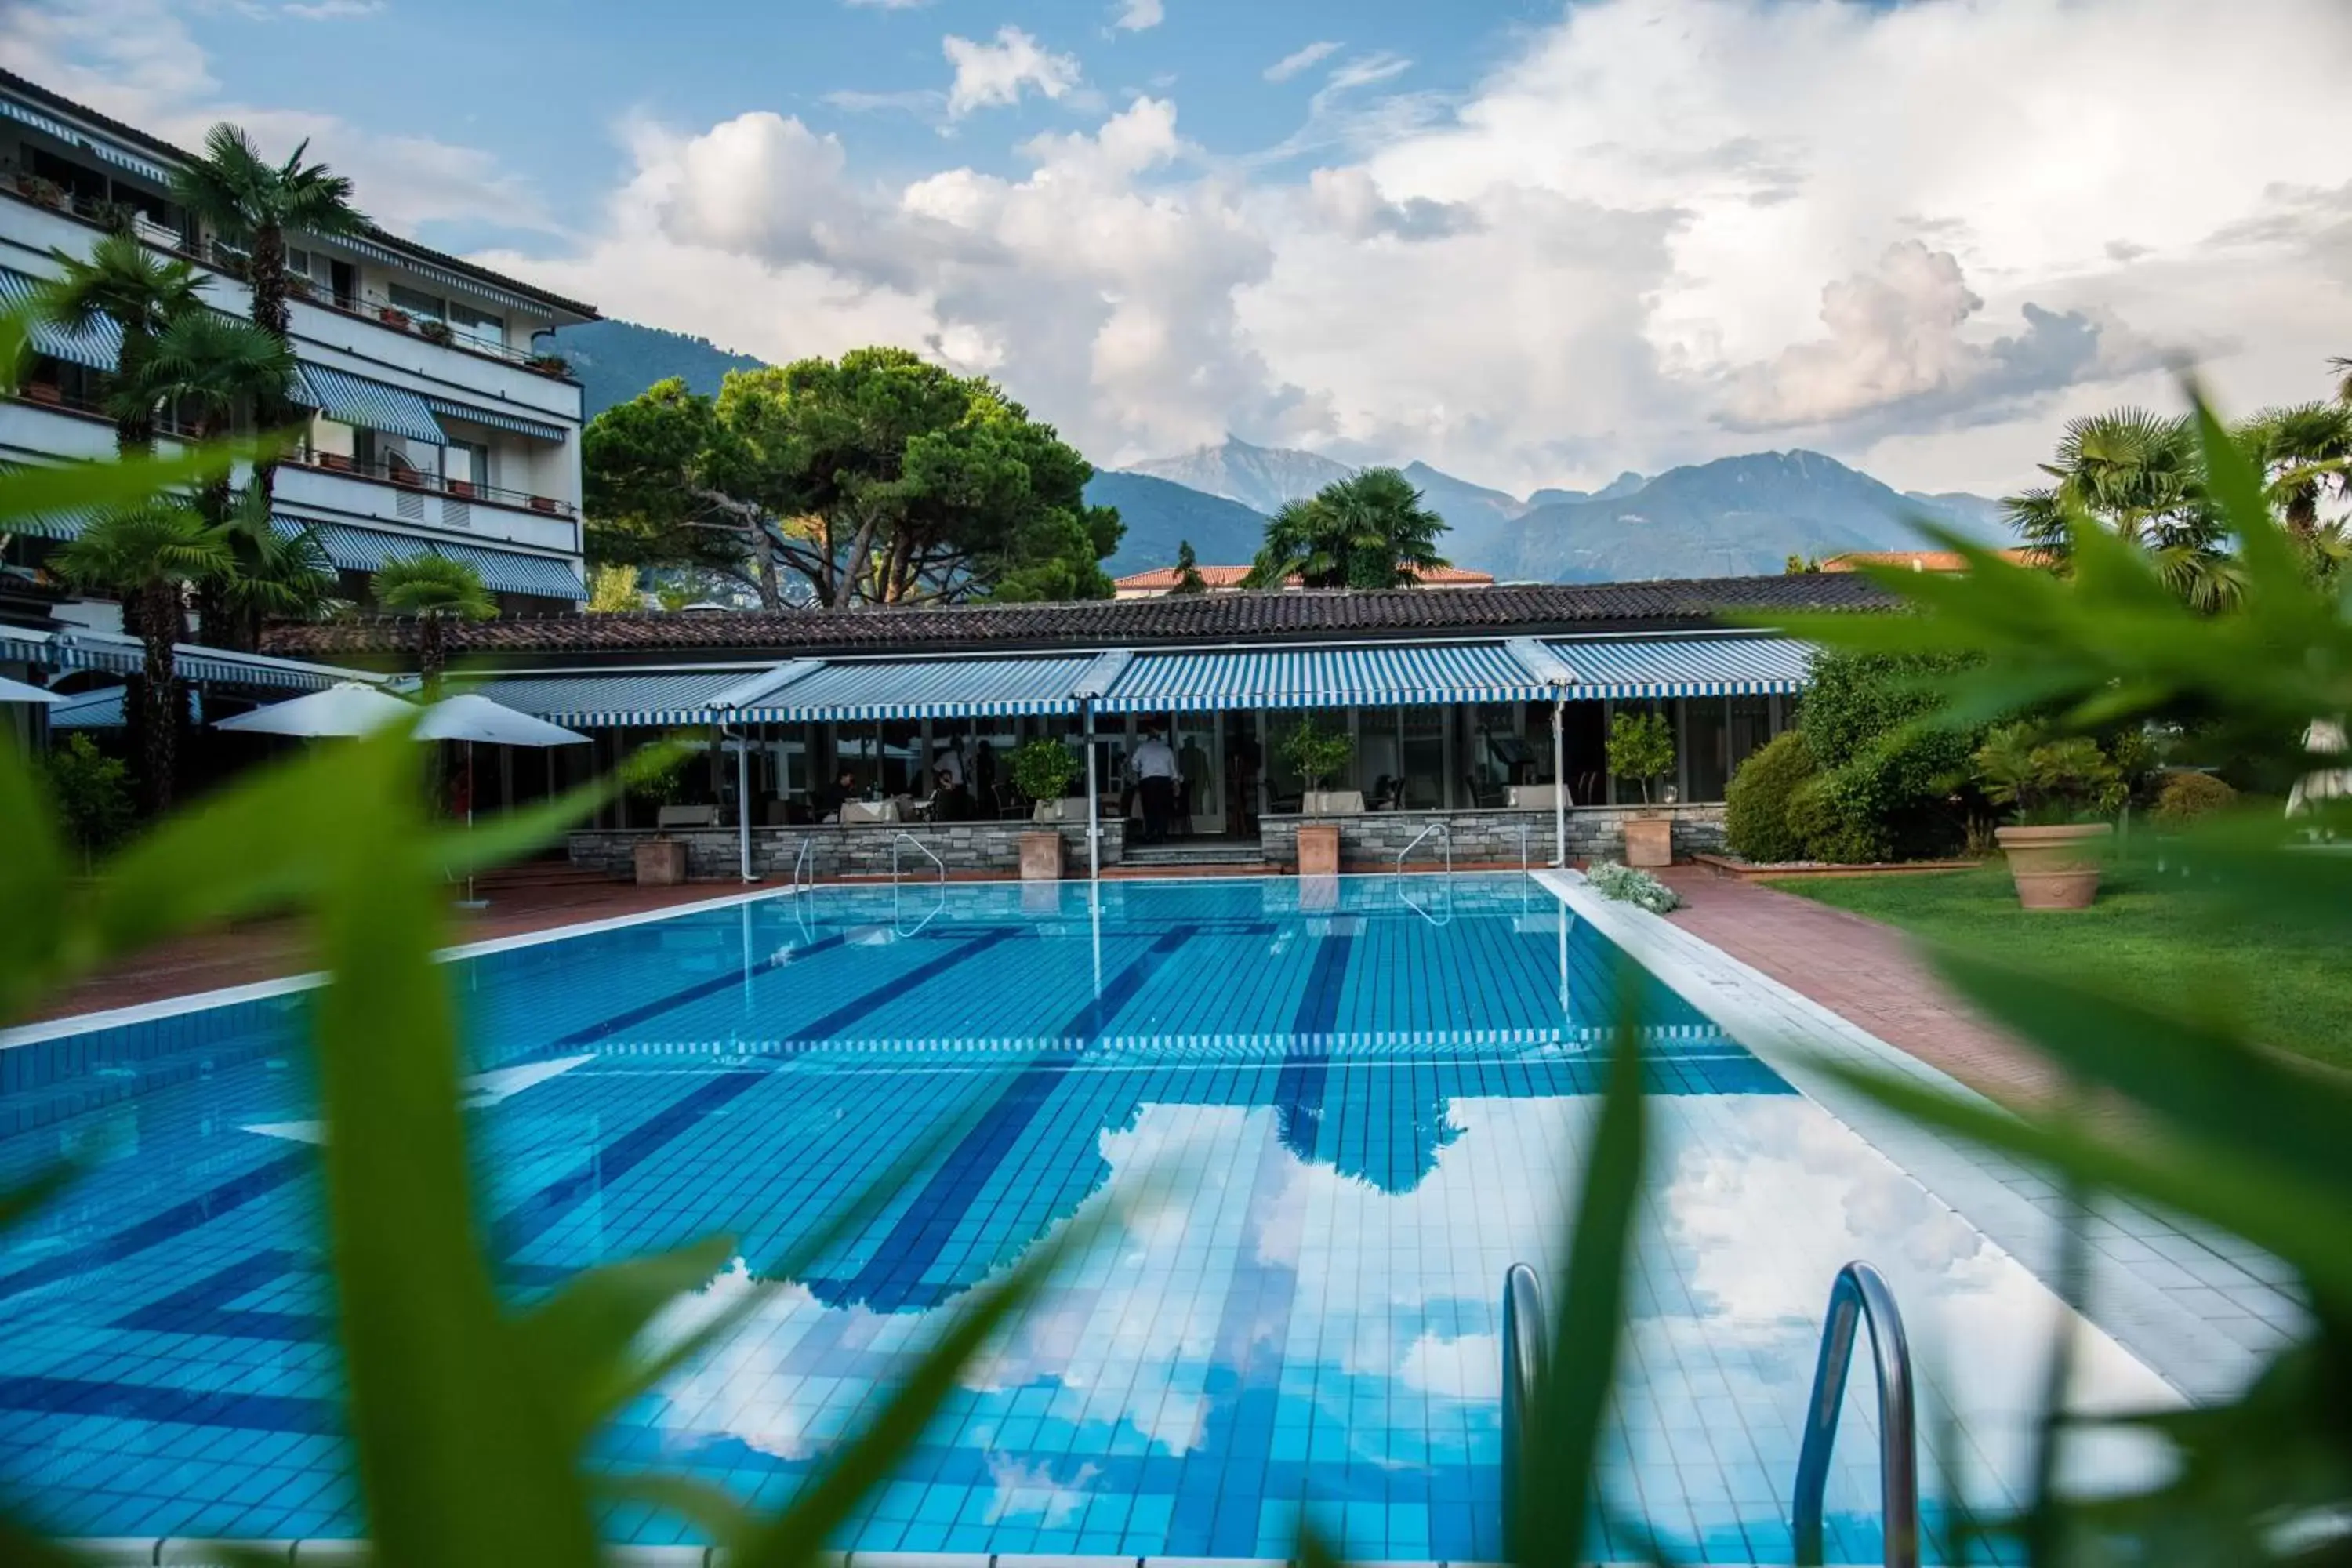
(1366, 1109)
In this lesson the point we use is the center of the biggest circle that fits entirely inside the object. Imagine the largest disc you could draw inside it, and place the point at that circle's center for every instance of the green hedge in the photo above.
(1756, 807)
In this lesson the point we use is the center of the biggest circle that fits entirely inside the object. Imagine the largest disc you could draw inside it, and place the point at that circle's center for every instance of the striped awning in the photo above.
(922, 689)
(99, 709)
(353, 549)
(1401, 675)
(646, 698)
(498, 418)
(1633, 668)
(510, 571)
(98, 345)
(121, 158)
(78, 649)
(356, 400)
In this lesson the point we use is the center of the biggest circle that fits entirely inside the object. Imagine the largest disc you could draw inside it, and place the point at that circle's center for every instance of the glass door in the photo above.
(1200, 745)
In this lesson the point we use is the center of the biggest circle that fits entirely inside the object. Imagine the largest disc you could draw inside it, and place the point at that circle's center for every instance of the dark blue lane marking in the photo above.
(1318, 1007)
(235, 1193)
(130, 1402)
(605, 1028)
(204, 1308)
(537, 1213)
(893, 1278)
(850, 1011)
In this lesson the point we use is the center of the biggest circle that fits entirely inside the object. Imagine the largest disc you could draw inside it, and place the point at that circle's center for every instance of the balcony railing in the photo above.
(409, 478)
(49, 395)
(228, 259)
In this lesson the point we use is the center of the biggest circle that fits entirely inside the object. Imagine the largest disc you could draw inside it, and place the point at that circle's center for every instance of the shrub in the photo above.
(1316, 753)
(2185, 797)
(1756, 807)
(91, 793)
(1641, 746)
(1895, 786)
(1628, 885)
(2048, 781)
(1822, 821)
(1044, 769)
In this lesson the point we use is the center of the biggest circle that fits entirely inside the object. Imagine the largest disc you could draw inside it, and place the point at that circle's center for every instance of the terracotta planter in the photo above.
(661, 863)
(1041, 857)
(335, 460)
(42, 392)
(1319, 850)
(2055, 868)
(542, 503)
(462, 489)
(1649, 841)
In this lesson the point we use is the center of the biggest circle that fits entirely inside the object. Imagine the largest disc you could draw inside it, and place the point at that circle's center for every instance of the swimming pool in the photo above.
(1377, 1096)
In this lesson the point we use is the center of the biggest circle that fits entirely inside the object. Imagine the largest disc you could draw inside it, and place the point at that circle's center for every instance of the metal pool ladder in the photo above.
(806, 860)
(1442, 829)
(1858, 1296)
(899, 838)
(1525, 1348)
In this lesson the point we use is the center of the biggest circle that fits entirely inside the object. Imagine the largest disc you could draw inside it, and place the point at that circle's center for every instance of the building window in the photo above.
(1707, 747)
(424, 307)
(487, 330)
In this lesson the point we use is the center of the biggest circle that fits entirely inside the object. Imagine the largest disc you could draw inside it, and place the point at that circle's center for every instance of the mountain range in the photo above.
(1731, 517)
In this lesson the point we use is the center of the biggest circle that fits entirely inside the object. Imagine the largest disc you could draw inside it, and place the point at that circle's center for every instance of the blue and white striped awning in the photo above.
(842, 689)
(96, 346)
(510, 571)
(498, 418)
(121, 158)
(1633, 669)
(356, 400)
(77, 648)
(1414, 675)
(99, 709)
(370, 549)
(642, 699)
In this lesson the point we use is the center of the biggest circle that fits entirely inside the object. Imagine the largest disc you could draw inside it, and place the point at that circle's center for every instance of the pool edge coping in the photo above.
(2012, 1205)
(310, 980)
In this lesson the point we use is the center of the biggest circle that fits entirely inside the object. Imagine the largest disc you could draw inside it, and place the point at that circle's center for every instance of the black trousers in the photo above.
(1158, 803)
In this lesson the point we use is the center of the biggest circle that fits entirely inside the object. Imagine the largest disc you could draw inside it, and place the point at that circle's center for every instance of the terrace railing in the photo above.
(406, 477)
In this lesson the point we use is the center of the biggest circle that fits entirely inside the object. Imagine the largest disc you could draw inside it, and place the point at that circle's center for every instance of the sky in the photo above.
(1530, 244)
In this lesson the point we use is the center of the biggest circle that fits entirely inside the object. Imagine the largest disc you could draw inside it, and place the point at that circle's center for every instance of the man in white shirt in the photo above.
(1156, 773)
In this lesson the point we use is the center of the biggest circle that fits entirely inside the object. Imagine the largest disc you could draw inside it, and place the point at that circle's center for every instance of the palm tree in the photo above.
(2140, 475)
(141, 292)
(436, 590)
(248, 200)
(2303, 451)
(1368, 530)
(272, 576)
(148, 558)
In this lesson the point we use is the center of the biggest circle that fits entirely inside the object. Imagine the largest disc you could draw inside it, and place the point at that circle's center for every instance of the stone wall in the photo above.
(1490, 837)
(862, 849)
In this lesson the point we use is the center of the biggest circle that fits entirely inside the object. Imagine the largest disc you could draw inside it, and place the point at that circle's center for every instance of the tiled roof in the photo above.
(1163, 578)
(1189, 618)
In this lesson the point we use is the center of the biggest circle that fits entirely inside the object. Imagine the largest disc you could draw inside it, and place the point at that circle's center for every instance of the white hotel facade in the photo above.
(438, 422)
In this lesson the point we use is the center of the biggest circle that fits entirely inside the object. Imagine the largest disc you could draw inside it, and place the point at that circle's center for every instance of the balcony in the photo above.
(231, 262)
(404, 477)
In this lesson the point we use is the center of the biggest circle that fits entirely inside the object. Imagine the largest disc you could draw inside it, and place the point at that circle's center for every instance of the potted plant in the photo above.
(462, 489)
(1043, 770)
(1641, 747)
(542, 503)
(549, 364)
(434, 332)
(46, 192)
(393, 316)
(654, 782)
(2059, 792)
(340, 461)
(1316, 755)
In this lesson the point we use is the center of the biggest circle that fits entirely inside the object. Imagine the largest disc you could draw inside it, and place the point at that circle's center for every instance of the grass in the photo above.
(2285, 986)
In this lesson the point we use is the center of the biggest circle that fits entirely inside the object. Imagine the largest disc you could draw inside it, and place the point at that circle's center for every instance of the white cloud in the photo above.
(1135, 16)
(992, 76)
(329, 10)
(1298, 60)
(886, 4)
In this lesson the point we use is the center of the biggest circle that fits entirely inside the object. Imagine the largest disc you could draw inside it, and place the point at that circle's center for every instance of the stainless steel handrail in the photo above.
(903, 837)
(1443, 830)
(1525, 1354)
(806, 858)
(1860, 1296)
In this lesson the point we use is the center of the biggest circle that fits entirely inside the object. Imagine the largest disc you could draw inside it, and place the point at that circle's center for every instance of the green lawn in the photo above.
(2291, 989)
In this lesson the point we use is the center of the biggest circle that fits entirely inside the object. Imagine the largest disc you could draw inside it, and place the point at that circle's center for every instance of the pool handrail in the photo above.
(806, 858)
(1860, 1296)
(903, 836)
(1525, 1354)
(1445, 830)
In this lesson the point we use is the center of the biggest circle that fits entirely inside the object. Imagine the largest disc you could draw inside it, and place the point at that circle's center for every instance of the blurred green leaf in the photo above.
(32, 886)
(578, 1340)
(2208, 1086)
(1558, 1499)
(709, 1509)
(464, 1460)
(122, 481)
(1314, 1551)
(21, 1200)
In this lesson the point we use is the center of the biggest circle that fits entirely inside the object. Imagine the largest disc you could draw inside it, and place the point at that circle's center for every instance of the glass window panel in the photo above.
(1751, 726)
(1707, 747)
(1422, 756)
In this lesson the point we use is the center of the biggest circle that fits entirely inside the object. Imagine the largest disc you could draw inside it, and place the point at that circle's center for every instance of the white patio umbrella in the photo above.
(2325, 736)
(471, 718)
(17, 691)
(346, 708)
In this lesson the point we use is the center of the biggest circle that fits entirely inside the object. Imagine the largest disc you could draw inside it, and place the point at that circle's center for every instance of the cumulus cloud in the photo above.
(995, 75)
(1298, 60)
(1135, 16)
(329, 10)
(1898, 341)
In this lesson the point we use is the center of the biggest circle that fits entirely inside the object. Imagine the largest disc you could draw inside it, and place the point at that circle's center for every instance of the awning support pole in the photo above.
(743, 806)
(1560, 782)
(1094, 800)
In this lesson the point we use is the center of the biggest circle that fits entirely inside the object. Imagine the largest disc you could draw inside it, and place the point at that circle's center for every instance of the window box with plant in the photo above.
(393, 316)
(1642, 747)
(549, 364)
(2060, 794)
(434, 332)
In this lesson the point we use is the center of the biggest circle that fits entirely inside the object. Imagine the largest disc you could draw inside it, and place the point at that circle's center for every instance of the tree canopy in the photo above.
(1367, 530)
(876, 478)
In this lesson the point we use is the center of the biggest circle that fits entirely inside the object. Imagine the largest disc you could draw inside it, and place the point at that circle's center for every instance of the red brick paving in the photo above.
(1867, 974)
(522, 899)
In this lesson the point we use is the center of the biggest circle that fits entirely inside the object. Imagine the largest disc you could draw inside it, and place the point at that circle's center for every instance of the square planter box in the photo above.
(1041, 857)
(661, 863)
(1319, 850)
(1649, 841)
